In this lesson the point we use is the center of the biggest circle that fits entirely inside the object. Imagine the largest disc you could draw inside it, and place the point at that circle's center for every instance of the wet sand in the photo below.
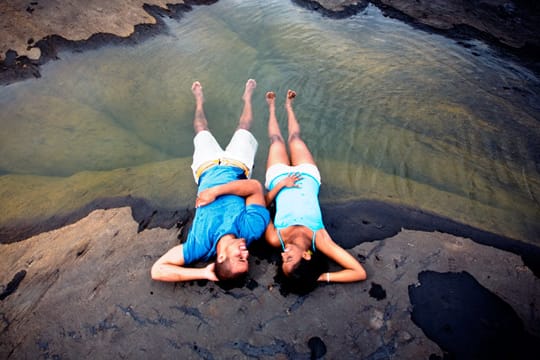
(79, 285)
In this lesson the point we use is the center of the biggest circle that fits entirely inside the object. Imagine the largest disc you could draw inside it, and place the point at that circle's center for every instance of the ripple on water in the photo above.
(391, 113)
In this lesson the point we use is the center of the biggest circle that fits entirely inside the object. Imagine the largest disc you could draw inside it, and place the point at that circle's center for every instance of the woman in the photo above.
(298, 227)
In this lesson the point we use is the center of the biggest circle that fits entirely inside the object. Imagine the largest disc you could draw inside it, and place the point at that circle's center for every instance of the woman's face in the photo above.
(291, 256)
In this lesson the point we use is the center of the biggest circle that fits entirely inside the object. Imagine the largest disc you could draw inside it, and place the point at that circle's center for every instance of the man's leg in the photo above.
(243, 144)
(300, 153)
(206, 148)
(277, 153)
(199, 122)
(246, 118)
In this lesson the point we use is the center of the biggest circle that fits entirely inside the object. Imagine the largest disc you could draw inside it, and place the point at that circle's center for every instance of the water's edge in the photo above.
(16, 68)
(350, 223)
(374, 220)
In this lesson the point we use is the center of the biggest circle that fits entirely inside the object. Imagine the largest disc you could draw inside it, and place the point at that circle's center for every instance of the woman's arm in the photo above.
(289, 181)
(170, 267)
(352, 269)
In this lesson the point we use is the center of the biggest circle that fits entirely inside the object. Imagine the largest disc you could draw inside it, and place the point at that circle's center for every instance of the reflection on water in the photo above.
(391, 113)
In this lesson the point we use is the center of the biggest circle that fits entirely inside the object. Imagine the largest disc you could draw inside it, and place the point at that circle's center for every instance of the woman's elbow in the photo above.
(362, 275)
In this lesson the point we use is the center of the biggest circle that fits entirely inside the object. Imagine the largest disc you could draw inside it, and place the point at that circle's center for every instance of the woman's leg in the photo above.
(277, 153)
(300, 153)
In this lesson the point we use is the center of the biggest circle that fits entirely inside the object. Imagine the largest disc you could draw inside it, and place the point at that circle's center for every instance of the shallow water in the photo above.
(390, 112)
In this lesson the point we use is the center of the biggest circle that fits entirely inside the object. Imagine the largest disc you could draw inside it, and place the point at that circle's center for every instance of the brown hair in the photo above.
(224, 271)
(303, 277)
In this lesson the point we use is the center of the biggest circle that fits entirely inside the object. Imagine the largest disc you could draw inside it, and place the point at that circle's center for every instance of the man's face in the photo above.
(238, 254)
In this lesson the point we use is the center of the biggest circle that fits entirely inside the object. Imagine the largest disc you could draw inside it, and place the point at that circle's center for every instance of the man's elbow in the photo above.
(257, 193)
(257, 187)
(156, 273)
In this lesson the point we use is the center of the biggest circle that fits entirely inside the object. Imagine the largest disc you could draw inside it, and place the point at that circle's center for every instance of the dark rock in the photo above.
(467, 320)
(317, 347)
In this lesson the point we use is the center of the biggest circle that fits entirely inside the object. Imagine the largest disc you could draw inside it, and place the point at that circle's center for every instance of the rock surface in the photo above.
(31, 31)
(85, 291)
(512, 23)
(26, 22)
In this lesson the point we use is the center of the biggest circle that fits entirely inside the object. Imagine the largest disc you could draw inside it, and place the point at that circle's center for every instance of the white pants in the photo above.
(241, 148)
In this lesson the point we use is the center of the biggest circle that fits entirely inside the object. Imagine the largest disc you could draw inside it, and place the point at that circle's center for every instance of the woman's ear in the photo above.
(307, 254)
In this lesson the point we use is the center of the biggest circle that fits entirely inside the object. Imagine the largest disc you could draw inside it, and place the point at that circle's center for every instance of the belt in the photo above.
(226, 162)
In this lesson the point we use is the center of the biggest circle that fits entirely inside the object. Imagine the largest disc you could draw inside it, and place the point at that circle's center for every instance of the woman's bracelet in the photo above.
(327, 277)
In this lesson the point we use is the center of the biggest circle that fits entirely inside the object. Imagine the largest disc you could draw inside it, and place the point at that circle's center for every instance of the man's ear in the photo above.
(221, 258)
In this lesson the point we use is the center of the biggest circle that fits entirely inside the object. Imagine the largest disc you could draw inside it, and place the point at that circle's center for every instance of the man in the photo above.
(231, 210)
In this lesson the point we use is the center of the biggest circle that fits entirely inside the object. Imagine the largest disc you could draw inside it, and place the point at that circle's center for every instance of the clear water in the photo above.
(390, 112)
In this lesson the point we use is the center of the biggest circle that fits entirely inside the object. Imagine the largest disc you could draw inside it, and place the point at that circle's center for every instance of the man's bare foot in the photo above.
(291, 94)
(251, 84)
(197, 91)
(270, 98)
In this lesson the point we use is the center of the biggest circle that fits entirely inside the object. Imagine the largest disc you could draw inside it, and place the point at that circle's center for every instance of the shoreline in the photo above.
(16, 67)
(517, 37)
(78, 284)
(65, 294)
(21, 67)
(373, 220)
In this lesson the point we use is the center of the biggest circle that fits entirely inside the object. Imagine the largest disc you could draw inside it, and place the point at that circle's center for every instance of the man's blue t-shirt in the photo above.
(228, 214)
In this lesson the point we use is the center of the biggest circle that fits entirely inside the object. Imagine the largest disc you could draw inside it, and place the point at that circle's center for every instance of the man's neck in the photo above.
(223, 242)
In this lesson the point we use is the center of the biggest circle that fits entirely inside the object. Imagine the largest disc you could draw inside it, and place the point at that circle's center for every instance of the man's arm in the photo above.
(170, 267)
(271, 236)
(249, 189)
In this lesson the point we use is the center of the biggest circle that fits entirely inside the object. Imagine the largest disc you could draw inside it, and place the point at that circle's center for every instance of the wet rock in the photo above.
(467, 320)
(55, 24)
(317, 347)
(56, 17)
(13, 284)
(513, 24)
(334, 8)
(377, 291)
(377, 320)
(87, 290)
(404, 337)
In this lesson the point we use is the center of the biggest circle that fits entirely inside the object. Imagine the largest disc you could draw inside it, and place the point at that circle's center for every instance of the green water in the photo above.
(390, 112)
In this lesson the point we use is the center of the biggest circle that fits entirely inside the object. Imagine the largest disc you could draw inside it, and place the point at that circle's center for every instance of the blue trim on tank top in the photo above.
(283, 244)
(273, 182)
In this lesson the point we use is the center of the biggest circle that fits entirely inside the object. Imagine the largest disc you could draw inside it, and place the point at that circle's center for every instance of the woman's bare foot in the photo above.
(291, 94)
(251, 84)
(196, 89)
(270, 98)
